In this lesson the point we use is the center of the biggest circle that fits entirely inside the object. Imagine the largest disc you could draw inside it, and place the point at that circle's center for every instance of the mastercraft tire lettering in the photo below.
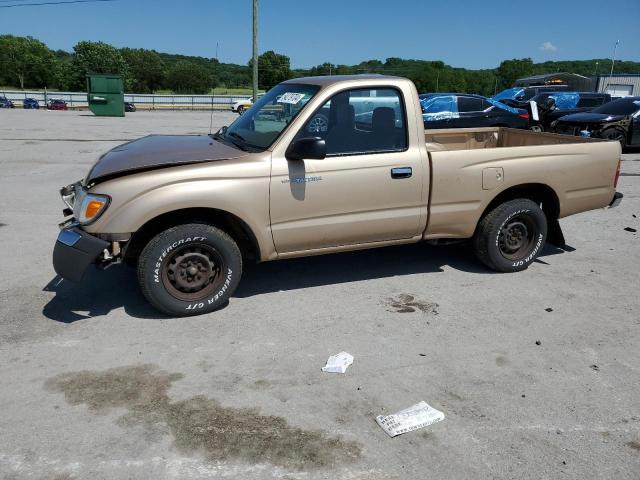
(189, 269)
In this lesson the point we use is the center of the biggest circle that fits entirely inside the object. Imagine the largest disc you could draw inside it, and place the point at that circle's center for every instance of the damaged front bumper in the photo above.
(74, 251)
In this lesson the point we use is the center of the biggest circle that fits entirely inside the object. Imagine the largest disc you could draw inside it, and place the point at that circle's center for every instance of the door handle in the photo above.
(401, 172)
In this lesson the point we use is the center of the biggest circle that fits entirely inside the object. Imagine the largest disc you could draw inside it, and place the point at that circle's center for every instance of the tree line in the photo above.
(28, 63)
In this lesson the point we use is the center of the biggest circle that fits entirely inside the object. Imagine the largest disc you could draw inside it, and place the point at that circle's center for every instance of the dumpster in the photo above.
(105, 95)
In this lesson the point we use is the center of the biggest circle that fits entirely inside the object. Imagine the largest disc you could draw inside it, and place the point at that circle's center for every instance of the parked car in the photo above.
(457, 110)
(514, 96)
(30, 103)
(242, 105)
(553, 105)
(57, 104)
(617, 120)
(191, 210)
(6, 103)
(129, 107)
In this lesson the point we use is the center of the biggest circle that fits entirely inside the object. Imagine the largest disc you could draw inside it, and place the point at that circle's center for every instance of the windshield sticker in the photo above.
(291, 98)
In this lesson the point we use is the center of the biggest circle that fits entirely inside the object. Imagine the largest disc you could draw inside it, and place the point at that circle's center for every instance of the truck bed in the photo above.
(470, 167)
(494, 137)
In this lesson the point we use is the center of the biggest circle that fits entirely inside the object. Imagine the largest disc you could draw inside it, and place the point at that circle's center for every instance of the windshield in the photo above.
(509, 94)
(263, 123)
(622, 106)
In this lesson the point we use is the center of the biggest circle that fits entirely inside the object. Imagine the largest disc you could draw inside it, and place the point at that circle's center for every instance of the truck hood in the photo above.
(157, 151)
(590, 117)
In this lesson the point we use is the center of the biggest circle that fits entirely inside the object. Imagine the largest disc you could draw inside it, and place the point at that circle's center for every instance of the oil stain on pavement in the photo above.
(200, 424)
(405, 303)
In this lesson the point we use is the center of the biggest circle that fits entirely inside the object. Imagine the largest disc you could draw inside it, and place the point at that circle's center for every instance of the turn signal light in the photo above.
(92, 207)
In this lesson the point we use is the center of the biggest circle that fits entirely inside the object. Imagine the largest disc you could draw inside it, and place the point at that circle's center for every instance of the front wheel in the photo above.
(240, 109)
(614, 134)
(510, 237)
(189, 269)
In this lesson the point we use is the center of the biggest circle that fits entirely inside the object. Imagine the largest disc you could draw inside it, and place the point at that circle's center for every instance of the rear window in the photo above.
(622, 106)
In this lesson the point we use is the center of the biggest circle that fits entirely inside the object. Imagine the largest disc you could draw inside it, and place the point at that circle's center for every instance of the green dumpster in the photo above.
(105, 95)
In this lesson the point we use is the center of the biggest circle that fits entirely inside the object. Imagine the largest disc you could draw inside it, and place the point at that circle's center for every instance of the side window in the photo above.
(585, 102)
(360, 121)
(469, 104)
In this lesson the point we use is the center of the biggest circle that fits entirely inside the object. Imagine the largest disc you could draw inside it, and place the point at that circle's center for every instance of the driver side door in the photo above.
(368, 189)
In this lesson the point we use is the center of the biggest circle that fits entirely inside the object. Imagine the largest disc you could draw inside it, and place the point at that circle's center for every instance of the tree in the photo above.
(98, 57)
(510, 70)
(25, 60)
(146, 68)
(273, 68)
(189, 77)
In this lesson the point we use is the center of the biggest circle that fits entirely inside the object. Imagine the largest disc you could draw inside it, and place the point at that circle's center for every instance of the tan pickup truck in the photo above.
(321, 165)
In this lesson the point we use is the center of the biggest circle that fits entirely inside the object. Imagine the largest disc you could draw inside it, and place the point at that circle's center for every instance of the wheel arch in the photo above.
(230, 223)
(540, 193)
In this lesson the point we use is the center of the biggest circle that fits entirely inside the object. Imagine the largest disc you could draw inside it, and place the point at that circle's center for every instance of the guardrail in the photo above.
(142, 101)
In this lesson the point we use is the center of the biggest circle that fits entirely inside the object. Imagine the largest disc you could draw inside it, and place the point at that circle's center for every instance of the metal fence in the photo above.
(140, 100)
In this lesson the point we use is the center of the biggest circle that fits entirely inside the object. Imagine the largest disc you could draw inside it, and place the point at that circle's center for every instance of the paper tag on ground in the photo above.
(338, 363)
(417, 416)
(290, 97)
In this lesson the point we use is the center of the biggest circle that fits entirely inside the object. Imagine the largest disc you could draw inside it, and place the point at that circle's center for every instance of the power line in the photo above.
(52, 3)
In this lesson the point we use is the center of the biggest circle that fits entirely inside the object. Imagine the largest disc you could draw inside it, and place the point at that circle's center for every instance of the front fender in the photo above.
(139, 198)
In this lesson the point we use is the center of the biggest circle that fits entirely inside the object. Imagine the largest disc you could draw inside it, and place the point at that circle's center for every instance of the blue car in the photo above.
(5, 102)
(30, 103)
(464, 110)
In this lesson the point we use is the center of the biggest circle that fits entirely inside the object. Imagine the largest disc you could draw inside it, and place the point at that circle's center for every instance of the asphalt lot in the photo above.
(96, 384)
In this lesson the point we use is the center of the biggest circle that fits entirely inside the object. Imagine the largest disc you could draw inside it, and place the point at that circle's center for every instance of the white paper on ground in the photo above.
(417, 416)
(338, 363)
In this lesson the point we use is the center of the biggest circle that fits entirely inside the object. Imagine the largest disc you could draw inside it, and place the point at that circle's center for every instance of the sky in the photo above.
(463, 33)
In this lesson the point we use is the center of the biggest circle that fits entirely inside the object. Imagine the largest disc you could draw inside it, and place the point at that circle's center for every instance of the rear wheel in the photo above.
(189, 269)
(510, 237)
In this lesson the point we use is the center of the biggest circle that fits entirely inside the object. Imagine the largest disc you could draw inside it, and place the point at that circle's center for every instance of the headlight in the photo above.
(92, 207)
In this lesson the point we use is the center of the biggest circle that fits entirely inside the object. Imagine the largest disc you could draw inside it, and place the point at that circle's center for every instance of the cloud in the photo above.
(548, 47)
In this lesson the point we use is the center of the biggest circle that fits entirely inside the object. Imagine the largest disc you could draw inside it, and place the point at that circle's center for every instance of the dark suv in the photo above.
(552, 106)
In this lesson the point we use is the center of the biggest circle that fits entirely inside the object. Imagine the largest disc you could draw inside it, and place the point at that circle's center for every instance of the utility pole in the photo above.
(255, 51)
(613, 61)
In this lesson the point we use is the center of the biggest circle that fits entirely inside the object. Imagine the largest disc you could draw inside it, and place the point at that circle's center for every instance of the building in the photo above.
(619, 84)
(573, 81)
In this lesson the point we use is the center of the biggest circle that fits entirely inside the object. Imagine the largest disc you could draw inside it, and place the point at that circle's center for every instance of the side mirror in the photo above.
(313, 148)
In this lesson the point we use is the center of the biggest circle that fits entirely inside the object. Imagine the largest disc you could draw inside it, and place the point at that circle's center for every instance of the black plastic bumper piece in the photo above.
(615, 201)
(75, 250)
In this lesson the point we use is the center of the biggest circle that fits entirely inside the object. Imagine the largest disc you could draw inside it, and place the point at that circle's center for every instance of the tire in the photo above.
(613, 134)
(510, 237)
(240, 109)
(189, 269)
(318, 124)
